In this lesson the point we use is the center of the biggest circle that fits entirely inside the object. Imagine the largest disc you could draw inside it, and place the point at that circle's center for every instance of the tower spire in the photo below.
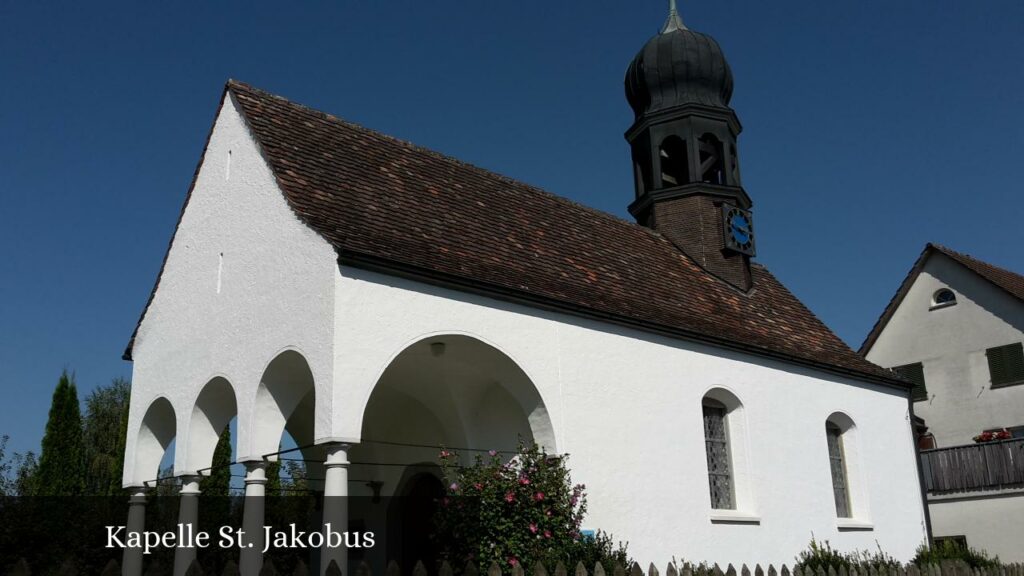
(675, 21)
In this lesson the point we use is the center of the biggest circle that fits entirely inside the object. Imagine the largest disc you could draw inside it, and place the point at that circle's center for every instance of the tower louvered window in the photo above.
(716, 441)
(838, 465)
(1006, 364)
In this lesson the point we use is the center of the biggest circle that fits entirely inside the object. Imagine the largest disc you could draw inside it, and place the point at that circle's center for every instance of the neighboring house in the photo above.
(377, 300)
(956, 328)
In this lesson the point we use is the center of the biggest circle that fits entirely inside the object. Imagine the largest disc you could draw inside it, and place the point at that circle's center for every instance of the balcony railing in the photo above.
(974, 467)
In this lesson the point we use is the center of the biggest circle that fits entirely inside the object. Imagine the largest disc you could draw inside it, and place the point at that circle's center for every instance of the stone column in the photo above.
(188, 519)
(131, 560)
(251, 558)
(335, 504)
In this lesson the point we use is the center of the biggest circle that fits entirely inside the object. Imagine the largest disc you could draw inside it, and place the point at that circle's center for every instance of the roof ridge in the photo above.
(442, 156)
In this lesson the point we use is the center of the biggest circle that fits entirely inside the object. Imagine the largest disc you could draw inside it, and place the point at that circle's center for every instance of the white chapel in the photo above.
(377, 300)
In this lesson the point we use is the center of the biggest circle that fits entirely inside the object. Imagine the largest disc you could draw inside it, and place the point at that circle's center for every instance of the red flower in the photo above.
(510, 497)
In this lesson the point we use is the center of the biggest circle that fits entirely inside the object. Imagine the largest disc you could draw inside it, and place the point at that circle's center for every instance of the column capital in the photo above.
(336, 454)
(256, 472)
(189, 484)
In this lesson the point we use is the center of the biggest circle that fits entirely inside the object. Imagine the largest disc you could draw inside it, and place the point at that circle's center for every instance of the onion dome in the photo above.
(677, 67)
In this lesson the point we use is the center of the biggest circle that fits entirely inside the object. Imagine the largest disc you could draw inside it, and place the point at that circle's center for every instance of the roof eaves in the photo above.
(895, 301)
(390, 267)
(188, 196)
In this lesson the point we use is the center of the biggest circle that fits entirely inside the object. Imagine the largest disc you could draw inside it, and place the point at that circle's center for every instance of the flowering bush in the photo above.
(993, 435)
(518, 511)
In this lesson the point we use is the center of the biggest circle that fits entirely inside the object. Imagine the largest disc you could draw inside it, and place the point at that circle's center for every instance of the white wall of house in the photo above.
(245, 279)
(627, 407)
(989, 521)
(950, 343)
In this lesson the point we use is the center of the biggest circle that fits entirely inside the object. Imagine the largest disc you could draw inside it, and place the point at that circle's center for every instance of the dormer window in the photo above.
(942, 298)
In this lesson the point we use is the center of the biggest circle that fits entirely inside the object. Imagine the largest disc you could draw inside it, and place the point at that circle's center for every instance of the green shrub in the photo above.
(824, 556)
(949, 550)
(518, 511)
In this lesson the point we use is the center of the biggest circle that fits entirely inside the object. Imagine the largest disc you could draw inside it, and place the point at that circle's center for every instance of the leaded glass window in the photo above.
(716, 443)
(838, 466)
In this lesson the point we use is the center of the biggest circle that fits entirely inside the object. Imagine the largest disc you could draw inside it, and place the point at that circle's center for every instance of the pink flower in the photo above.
(548, 513)
(547, 533)
(533, 528)
(538, 496)
(454, 487)
(478, 486)
(524, 480)
(512, 561)
(492, 453)
(510, 497)
(445, 454)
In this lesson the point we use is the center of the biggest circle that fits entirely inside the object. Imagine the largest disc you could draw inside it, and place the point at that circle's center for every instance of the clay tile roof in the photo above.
(388, 204)
(1008, 281)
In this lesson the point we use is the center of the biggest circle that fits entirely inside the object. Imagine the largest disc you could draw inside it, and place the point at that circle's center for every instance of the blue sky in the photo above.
(870, 128)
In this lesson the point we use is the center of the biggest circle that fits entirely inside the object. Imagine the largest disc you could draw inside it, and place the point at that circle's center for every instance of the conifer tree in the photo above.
(218, 483)
(61, 469)
(106, 413)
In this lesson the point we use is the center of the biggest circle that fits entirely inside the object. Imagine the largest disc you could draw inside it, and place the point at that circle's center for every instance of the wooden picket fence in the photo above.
(946, 568)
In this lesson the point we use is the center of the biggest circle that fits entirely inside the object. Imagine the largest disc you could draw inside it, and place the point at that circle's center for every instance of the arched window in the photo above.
(848, 486)
(675, 165)
(716, 444)
(712, 167)
(943, 297)
(837, 463)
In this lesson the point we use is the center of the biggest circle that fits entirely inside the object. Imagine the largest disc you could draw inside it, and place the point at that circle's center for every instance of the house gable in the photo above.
(242, 273)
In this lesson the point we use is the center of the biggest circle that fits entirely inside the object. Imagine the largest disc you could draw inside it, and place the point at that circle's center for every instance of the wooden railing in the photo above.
(974, 467)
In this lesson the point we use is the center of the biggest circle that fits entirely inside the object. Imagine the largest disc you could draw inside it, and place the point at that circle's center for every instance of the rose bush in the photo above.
(517, 511)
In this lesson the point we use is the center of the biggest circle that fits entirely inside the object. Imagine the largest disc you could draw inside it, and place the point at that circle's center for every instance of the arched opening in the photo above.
(844, 467)
(450, 391)
(213, 412)
(155, 436)
(712, 165)
(725, 443)
(675, 162)
(285, 400)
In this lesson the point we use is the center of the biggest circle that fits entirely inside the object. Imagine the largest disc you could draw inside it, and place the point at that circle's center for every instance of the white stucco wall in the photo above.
(624, 404)
(244, 280)
(990, 522)
(950, 343)
(627, 407)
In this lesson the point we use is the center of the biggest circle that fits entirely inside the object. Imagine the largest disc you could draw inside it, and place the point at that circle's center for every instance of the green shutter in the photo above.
(1006, 364)
(914, 373)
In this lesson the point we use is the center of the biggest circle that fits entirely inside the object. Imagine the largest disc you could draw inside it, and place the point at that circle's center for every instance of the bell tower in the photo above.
(685, 161)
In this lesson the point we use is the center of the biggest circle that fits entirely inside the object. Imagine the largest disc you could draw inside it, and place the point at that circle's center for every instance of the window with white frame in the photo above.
(716, 444)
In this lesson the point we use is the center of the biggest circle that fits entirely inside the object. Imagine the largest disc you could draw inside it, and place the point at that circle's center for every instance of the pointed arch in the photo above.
(156, 433)
(285, 398)
(213, 410)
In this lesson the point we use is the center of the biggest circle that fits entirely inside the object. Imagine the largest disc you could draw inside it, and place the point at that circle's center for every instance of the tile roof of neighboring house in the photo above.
(387, 204)
(1011, 282)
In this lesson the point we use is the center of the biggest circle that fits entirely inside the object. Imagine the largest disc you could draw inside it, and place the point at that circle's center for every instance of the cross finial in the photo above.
(674, 22)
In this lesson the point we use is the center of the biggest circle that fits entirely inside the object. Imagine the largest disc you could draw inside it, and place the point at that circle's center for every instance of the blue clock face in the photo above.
(739, 227)
(739, 230)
